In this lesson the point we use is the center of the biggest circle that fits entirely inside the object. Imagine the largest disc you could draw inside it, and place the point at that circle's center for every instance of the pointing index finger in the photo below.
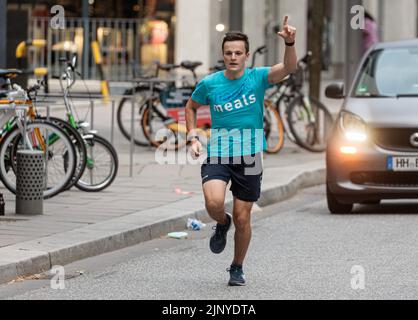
(285, 20)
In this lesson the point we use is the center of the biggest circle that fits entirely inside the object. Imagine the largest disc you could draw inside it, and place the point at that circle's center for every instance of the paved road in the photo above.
(299, 251)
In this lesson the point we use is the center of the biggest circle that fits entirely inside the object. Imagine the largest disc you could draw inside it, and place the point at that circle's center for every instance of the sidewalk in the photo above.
(156, 200)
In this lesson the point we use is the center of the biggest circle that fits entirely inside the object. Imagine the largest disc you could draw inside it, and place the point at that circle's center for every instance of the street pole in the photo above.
(353, 46)
(315, 46)
(381, 17)
(86, 38)
(235, 15)
(416, 34)
(3, 33)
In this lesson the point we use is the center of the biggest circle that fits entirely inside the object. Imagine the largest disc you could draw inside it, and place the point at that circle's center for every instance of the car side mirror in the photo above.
(335, 91)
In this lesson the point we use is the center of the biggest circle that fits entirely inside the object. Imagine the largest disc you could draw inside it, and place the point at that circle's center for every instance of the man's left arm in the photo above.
(279, 71)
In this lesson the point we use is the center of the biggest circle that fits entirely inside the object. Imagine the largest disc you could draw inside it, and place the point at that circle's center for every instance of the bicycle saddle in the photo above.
(167, 67)
(190, 65)
(9, 73)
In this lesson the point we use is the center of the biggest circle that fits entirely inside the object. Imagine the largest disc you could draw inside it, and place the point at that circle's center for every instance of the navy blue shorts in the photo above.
(245, 174)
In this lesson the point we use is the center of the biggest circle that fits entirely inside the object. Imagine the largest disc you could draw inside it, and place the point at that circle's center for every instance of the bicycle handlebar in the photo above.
(261, 50)
(69, 62)
(306, 59)
(65, 75)
(34, 88)
(26, 93)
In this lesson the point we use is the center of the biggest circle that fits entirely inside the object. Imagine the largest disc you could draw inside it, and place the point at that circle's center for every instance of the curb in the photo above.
(40, 255)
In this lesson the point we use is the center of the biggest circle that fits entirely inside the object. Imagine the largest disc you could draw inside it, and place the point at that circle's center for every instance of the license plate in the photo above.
(402, 163)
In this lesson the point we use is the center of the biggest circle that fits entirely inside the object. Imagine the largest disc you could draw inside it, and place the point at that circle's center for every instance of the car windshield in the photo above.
(389, 73)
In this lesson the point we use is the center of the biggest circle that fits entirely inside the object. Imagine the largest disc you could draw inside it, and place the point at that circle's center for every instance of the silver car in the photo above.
(373, 150)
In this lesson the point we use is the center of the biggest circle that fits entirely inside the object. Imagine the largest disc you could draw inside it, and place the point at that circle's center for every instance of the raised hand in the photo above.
(288, 32)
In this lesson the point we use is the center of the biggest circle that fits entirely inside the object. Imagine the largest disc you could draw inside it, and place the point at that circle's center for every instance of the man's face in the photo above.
(235, 56)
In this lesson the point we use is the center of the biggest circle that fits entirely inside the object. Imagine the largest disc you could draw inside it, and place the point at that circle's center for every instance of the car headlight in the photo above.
(353, 127)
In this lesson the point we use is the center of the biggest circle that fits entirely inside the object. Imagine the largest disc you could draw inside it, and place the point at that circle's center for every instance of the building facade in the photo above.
(171, 31)
(198, 36)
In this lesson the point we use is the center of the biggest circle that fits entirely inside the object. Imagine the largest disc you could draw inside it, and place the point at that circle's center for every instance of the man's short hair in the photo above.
(236, 36)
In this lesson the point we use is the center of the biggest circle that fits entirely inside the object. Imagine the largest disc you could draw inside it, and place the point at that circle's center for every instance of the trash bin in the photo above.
(30, 182)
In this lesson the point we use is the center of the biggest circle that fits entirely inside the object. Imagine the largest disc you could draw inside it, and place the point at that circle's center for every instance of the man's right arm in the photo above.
(191, 110)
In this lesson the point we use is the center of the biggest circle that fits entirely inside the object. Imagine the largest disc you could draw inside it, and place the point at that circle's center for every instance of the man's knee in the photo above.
(241, 221)
(214, 205)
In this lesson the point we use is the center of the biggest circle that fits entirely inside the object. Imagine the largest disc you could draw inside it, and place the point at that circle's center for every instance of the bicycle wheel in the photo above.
(161, 134)
(102, 165)
(273, 128)
(80, 148)
(46, 136)
(310, 123)
(124, 116)
(282, 107)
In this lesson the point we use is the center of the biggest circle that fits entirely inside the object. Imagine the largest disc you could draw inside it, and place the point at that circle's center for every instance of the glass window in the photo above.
(389, 72)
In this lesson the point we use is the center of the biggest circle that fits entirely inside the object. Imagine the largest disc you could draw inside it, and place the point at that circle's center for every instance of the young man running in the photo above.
(236, 99)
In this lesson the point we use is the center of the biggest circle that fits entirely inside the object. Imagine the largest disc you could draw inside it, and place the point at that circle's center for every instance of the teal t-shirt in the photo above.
(237, 110)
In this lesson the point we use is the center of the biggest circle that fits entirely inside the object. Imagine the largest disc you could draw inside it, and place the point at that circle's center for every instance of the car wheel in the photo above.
(337, 207)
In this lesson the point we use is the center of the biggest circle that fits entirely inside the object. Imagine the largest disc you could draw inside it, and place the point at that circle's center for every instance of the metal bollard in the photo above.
(30, 182)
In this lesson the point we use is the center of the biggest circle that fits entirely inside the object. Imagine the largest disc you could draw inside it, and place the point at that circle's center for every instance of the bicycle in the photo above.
(92, 172)
(100, 157)
(161, 108)
(73, 134)
(20, 131)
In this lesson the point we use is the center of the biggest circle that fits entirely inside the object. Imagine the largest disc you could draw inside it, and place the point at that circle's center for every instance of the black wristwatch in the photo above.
(290, 44)
(194, 137)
